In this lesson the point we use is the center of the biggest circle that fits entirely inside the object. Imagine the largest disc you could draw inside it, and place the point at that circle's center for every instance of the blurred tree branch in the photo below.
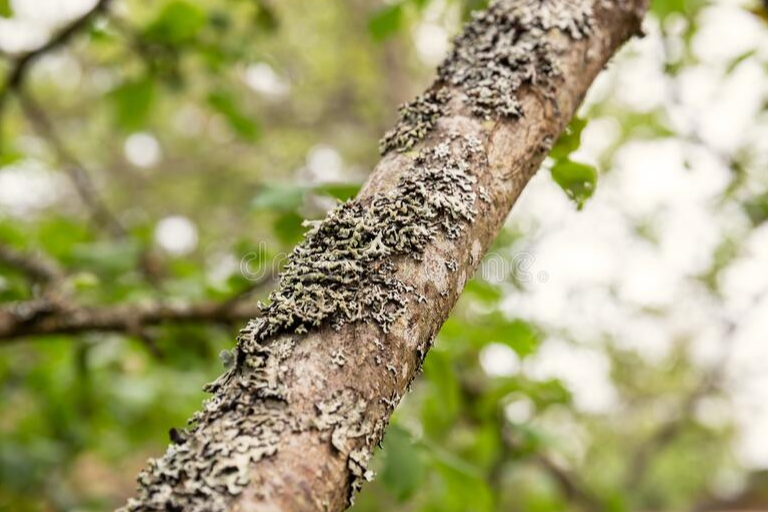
(80, 177)
(711, 382)
(54, 315)
(36, 266)
(21, 64)
(570, 485)
(661, 438)
(48, 317)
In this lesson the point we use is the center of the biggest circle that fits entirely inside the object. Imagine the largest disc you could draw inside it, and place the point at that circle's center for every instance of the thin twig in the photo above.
(80, 177)
(36, 266)
(21, 64)
(45, 318)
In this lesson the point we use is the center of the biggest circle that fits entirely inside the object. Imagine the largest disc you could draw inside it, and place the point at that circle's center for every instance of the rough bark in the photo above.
(305, 409)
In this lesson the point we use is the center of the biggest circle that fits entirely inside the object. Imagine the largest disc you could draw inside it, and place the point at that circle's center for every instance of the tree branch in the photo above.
(21, 64)
(37, 267)
(78, 175)
(293, 425)
(56, 312)
(46, 317)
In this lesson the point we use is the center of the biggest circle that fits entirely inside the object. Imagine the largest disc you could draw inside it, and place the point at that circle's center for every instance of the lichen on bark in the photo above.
(502, 50)
(415, 120)
(344, 271)
(239, 425)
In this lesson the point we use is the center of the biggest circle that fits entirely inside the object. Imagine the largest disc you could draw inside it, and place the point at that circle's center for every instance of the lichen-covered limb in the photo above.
(292, 424)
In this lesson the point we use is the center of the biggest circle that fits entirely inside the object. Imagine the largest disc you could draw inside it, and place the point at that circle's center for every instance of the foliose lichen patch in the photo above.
(239, 425)
(503, 48)
(500, 51)
(344, 271)
(416, 119)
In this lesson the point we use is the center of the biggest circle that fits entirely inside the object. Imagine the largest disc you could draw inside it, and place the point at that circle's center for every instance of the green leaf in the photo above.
(465, 485)
(341, 191)
(225, 104)
(663, 7)
(132, 103)
(60, 236)
(9, 156)
(289, 228)
(403, 471)
(177, 23)
(279, 197)
(687, 8)
(443, 403)
(577, 180)
(386, 21)
(570, 140)
(112, 258)
(521, 337)
(483, 291)
(265, 18)
(757, 209)
(6, 10)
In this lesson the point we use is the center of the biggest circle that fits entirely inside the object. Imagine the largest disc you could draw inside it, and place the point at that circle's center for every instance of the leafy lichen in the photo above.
(344, 271)
(239, 425)
(416, 119)
(503, 49)
(500, 51)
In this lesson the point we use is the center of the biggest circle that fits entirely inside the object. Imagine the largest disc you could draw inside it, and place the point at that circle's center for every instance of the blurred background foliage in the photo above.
(169, 152)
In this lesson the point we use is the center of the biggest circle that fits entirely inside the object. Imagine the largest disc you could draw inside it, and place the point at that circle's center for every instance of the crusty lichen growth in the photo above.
(503, 49)
(241, 424)
(499, 52)
(344, 271)
(416, 119)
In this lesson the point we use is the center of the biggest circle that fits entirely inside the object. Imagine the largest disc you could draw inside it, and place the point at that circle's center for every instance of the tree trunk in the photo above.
(292, 424)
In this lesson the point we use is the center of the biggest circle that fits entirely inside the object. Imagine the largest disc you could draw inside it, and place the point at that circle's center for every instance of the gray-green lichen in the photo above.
(239, 425)
(499, 52)
(344, 271)
(503, 49)
(416, 119)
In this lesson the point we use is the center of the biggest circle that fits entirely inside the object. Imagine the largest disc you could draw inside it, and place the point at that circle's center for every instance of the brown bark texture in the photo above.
(322, 396)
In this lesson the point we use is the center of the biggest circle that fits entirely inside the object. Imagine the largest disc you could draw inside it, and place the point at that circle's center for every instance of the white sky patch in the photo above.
(142, 150)
(262, 78)
(641, 84)
(646, 279)
(727, 31)
(732, 113)
(176, 234)
(28, 186)
(751, 411)
(432, 43)
(598, 135)
(33, 22)
(221, 267)
(324, 165)
(584, 371)
(499, 360)
(520, 409)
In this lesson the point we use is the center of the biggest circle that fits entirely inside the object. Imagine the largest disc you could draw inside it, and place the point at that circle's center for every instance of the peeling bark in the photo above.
(292, 425)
